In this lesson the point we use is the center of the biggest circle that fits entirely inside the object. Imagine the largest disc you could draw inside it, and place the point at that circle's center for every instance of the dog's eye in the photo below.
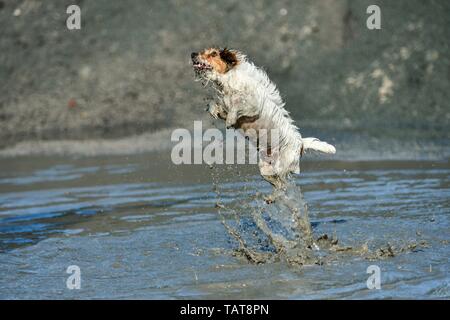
(213, 54)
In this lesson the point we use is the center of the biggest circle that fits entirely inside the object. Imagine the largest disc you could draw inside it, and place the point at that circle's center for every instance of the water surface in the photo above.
(139, 227)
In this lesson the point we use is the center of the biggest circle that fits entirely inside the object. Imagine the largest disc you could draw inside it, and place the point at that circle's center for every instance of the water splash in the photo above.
(270, 228)
(277, 228)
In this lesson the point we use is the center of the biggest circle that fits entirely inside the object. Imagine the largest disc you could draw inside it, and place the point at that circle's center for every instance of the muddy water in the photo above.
(139, 227)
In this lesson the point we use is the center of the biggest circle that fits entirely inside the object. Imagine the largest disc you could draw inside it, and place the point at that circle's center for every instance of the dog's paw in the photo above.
(269, 199)
(213, 110)
(230, 121)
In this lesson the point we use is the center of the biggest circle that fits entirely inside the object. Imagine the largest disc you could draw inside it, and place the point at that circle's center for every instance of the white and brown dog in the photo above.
(248, 100)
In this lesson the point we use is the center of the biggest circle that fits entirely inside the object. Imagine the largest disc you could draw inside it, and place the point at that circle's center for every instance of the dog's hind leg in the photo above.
(278, 186)
(275, 181)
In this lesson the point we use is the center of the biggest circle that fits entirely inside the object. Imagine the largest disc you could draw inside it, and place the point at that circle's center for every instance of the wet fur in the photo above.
(248, 100)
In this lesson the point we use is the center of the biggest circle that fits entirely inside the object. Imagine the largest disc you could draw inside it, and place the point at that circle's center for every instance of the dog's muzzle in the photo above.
(197, 64)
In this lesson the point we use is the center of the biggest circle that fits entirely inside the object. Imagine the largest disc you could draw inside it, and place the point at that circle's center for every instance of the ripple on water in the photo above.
(134, 236)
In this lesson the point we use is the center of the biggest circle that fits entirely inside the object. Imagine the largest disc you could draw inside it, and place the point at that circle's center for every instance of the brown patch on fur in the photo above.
(229, 57)
(220, 60)
(246, 123)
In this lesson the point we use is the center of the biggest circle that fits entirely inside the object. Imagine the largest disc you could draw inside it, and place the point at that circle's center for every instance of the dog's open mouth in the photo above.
(200, 66)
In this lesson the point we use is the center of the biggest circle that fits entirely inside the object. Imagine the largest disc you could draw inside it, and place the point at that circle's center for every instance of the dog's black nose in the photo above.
(193, 55)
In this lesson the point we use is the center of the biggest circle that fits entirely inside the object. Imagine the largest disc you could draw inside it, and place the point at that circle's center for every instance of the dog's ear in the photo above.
(229, 57)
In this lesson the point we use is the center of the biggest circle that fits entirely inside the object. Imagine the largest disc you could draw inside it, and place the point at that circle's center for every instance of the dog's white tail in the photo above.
(317, 145)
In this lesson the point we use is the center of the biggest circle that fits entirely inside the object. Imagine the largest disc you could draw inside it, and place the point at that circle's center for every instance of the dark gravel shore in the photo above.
(127, 70)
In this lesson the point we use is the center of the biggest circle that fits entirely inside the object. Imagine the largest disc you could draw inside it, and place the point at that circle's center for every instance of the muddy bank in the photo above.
(127, 71)
(352, 145)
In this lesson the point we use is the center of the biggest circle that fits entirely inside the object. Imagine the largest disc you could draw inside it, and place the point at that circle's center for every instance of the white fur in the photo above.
(246, 90)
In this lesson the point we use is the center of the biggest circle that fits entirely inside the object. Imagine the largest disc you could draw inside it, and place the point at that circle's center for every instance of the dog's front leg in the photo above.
(216, 110)
(231, 119)
(237, 108)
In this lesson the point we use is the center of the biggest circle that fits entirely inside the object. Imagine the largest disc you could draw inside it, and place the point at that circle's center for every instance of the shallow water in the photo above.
(139, 227)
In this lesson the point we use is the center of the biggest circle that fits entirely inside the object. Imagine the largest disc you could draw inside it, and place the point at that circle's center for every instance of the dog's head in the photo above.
(212, 63)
